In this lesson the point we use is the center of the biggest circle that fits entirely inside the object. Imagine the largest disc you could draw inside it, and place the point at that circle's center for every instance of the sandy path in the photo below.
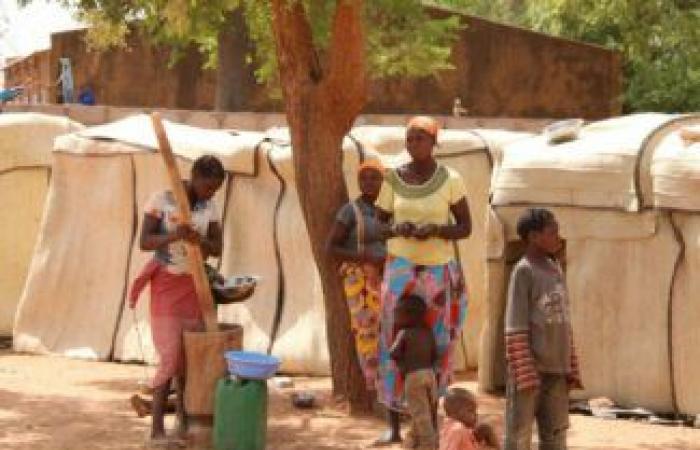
(61, 404)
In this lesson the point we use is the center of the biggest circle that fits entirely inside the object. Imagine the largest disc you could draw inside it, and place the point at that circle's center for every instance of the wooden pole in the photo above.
(194, 252)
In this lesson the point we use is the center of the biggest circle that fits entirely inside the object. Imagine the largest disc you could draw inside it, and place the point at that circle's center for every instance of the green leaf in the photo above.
(659, 40)
(401, 39)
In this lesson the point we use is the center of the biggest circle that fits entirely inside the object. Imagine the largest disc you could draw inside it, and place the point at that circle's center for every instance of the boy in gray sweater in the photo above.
(542, 365)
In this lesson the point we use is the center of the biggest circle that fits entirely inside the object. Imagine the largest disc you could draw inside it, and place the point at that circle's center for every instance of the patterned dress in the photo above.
(361, 283)
(362, 294)
(442, 288)
(428, 268)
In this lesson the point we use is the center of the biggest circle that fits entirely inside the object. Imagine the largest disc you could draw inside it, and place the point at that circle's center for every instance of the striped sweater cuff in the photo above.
(574, 375)
(521, 363)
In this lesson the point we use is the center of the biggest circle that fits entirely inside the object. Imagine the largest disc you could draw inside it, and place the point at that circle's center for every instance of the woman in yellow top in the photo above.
(426, 203)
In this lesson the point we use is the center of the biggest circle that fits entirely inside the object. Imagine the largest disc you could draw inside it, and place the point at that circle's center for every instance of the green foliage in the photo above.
(502, 10)
(259, 22)
(401, 39)
(104, 33)
(659, 40)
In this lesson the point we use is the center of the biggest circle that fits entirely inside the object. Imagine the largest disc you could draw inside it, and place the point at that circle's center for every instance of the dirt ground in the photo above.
(61, 404)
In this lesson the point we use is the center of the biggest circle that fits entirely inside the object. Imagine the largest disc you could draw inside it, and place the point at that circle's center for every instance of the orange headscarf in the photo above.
(373, 164)
(425, 123)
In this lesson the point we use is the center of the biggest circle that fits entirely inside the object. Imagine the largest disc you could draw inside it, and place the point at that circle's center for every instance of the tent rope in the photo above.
(280, 303)
(678, 236)
(647, 148)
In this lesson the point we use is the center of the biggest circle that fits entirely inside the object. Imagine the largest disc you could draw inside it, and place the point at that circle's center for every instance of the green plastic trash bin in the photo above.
(240, 414)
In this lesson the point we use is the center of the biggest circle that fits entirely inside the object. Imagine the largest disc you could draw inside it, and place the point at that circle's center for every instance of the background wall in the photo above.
(500, 70)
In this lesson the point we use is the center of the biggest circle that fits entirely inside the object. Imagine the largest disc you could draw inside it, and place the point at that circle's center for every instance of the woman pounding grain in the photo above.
(174, 306)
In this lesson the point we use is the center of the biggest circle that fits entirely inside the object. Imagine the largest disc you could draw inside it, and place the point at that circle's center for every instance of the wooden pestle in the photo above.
(194, 252)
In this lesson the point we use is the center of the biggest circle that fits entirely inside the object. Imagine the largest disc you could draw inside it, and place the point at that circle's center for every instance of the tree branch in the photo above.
(346, 83)
(294, 44)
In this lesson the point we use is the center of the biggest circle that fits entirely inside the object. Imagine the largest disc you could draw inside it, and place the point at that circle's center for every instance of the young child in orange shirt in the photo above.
(461, 429)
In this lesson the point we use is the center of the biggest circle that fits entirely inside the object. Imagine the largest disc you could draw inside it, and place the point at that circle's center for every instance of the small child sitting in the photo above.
(415, 353)
(460, 430)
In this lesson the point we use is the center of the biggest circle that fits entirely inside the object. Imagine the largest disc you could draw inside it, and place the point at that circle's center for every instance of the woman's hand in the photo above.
(185, 232)
(404, 229)
(423, 232)
(385, 230)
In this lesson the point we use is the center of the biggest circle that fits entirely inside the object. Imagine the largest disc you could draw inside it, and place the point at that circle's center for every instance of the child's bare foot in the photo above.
(145, 389)
(139, 405)
(143, 407)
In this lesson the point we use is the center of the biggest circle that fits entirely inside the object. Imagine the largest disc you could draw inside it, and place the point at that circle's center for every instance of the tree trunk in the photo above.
(322, 190)
(234, 76)
(321, 106)
(188, 74)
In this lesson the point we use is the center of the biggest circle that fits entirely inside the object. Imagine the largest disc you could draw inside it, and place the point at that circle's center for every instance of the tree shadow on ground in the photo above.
(312, 434)
(59, 404)
(5, 342)
(41, 423)
(126, 386)
(325, 427)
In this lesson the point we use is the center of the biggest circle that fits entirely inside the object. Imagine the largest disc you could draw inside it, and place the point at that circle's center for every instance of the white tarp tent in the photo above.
(627, 258)
(265, 235)
(87, 254)
(675, 178)
(26, 141)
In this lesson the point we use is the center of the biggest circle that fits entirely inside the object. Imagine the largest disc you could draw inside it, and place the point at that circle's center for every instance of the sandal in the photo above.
(140, 406)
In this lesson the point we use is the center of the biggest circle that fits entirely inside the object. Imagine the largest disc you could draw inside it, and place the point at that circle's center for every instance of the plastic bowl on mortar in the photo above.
(251, 365)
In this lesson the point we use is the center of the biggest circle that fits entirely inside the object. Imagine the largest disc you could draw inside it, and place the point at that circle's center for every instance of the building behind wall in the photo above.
(33, 73)
(500, 70)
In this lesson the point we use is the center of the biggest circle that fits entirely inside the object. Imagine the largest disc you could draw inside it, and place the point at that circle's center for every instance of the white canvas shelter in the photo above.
(675, 177)
(26, 141)
(624, 195)
(87, 255)
(87, 252)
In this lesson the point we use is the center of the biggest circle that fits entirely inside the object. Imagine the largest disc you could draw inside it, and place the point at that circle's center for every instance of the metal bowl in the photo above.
(234, 290)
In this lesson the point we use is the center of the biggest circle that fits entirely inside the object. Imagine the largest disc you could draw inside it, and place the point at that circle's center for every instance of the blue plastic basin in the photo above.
(251, 365)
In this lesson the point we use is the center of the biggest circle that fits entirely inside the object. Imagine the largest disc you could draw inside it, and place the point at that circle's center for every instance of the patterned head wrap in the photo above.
(425, 123)
(371, 164)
